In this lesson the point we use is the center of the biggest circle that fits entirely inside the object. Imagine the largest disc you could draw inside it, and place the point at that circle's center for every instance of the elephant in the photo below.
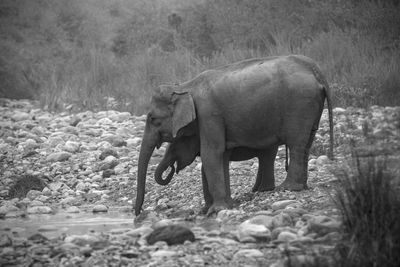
(184, 150)
(248, 106)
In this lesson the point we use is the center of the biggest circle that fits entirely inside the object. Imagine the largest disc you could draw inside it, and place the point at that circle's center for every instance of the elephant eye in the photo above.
(155, 121)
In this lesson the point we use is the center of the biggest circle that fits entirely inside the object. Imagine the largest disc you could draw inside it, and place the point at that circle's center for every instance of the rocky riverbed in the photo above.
(67, 182)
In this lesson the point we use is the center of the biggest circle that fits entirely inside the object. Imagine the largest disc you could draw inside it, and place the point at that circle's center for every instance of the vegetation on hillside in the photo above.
(82, 54)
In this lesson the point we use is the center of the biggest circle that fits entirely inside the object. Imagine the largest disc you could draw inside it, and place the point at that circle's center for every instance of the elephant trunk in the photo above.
(149, 142)
(166, 162)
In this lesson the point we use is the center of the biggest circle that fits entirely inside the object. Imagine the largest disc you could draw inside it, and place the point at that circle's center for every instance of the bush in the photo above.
(369, 201)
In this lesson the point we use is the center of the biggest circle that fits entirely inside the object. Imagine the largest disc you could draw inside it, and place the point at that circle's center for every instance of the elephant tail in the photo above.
(329, 102)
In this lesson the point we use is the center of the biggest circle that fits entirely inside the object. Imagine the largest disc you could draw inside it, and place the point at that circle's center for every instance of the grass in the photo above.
(370, 205)
(77, 54)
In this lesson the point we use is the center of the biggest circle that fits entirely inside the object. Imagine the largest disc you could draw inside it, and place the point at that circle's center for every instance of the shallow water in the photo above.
(65, 223)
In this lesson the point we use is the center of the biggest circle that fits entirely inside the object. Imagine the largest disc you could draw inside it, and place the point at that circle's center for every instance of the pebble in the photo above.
(250, 232)
(163, 254)
(286, 236)
(283, 204)
(59, 156)
(39, 210)
(100, 208)
(82, 240)
(323, 225)
(141, 231)
(247, 254)
(172, 234)
(72, 209)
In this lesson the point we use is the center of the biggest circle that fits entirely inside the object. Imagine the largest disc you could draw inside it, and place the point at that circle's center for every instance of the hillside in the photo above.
(80, 54)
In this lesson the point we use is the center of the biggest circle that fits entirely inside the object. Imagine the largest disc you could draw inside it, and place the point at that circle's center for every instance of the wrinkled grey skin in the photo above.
(183, 152)
(252, 105)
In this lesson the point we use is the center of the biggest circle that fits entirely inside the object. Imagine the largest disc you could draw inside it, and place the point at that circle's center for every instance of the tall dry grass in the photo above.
(370, 204)
(77, 54)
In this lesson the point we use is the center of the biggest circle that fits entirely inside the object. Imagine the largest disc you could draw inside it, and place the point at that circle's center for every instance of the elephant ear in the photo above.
(184, 111)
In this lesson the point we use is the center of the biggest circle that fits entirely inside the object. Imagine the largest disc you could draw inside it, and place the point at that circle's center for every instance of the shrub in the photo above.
(369, 201)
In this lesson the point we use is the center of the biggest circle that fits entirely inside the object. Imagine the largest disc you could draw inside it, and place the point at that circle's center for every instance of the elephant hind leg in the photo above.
(297, 175)
(265, 180)
(296, 178)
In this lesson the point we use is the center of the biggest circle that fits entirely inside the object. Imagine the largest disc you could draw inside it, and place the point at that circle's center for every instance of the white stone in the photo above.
(39, 210)
(163, 254)
(281, 204)
(59, 156)
(100, 208)
(322, 160)
(72, 209)
(247, 254)
(249, 232)
(286, 236)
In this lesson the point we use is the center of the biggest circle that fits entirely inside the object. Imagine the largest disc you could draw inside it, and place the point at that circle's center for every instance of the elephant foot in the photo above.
(204, 210)
(291, 186)
(263, 189)
(216, 207)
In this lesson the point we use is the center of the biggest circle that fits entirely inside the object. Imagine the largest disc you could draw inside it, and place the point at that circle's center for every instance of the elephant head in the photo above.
(170, 112)
(183, 151)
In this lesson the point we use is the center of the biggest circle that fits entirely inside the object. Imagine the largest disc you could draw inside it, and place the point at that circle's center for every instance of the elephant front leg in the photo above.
(214, 172)
(207, 196)
(265, 180)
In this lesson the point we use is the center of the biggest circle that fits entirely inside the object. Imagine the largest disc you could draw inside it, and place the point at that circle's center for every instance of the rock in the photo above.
(8, 207)
(275, 233)
(48, 228)
(294, 212)
(172, 234)
(82, 240)
(265, 220)
(250, 232)
(69, 201)
(163, 254)
(224, 215)
(72, 209)
(130, 254)
(5, 240)
(71, 146)
(109, 163)
(302, 261)
(36, 203)
(286, 236)
(133, 141)
(108, 152)
(100, 208)
(55, 186)
(322, 160)
(20, 116)
(120, 116)
(139, 232)
(38, 238)
(283, 204)
(247, 254)
(81, 186)
(108, 173)
(39, 210)
(59, 156)
(32, 194)
(323, 225)
(162, 223)
(282, 219)
(116, 141)
(338, 110)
